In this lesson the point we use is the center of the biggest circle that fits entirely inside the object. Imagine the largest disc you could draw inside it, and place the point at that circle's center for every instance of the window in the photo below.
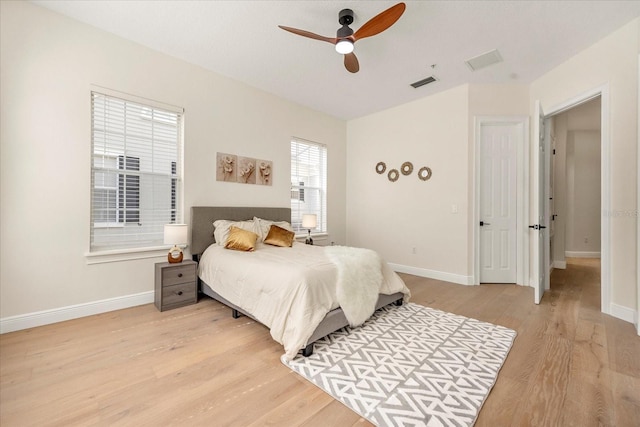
(308, 184)
(135, 172)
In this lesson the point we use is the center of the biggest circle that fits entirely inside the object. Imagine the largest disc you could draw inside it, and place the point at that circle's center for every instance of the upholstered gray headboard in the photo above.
(202, 218)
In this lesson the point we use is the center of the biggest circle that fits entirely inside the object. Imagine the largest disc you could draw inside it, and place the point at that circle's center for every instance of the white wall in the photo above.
(612, 61)
(583, 193)
(49, 64)
(394, 218)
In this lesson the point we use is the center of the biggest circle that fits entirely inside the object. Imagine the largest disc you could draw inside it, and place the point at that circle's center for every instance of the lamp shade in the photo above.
(175, 234)
(309, 221)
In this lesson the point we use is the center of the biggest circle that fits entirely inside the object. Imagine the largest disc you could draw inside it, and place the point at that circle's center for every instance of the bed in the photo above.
(244, 281)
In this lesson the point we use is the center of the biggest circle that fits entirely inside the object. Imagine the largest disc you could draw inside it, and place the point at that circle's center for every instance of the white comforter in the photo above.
(290, 290)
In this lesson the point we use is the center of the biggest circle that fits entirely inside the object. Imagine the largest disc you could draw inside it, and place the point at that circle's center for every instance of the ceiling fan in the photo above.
(345, 37)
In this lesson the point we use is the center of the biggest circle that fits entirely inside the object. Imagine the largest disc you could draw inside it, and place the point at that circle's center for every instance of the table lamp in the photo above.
(309, 221)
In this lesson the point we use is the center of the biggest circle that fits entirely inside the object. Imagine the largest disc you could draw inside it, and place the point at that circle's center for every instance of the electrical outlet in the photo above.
(586, 240)
(413, 251)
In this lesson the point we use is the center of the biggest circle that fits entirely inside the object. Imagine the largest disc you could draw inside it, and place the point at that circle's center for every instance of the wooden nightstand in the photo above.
(176, 284)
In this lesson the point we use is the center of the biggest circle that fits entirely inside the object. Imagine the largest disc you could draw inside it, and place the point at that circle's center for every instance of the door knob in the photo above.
(482, 223)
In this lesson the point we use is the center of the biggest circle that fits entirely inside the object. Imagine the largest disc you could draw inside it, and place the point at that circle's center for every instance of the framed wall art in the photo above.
(226, 165)
(263, 176)
(244, 170)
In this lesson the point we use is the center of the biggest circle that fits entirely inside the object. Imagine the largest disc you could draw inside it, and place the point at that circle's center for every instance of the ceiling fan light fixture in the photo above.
(344, 46)
(345, 37)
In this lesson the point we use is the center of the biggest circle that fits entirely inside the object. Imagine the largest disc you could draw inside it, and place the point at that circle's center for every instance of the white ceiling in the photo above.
(241, 40)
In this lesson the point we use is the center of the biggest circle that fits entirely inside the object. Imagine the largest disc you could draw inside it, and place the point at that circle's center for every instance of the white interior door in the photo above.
(539, 230)
(550, 153)
(547, 199)
(498, 202)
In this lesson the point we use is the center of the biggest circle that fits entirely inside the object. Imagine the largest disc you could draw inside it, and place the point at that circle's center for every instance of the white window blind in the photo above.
(136, 180)
(308, 184)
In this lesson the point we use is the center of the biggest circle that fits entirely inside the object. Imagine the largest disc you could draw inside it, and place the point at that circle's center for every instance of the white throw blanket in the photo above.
(359, 281)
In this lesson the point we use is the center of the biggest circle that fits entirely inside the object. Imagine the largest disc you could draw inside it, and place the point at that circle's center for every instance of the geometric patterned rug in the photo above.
(410, 366)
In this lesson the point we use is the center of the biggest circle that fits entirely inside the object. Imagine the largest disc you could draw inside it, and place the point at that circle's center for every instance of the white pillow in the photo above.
(222, 227)
(263, 226)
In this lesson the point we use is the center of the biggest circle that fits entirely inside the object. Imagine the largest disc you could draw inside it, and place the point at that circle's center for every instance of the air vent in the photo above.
(484, 60)
(424, 82)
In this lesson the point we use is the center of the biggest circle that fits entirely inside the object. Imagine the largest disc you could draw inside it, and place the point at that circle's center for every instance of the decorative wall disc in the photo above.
(406, 168)
(393, 175)
(424, 173)
(381, 167)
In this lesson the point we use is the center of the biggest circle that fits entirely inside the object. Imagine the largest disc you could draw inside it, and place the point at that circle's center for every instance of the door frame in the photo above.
(522, 191)
(605, 182)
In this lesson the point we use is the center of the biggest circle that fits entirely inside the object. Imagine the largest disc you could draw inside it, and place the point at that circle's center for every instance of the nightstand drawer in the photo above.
(181, 274)
(179, 294)
(176, 284)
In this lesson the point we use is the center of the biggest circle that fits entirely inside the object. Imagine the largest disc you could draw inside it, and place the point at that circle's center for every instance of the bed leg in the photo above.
(235, 313)
(398, 302)
(308, 350)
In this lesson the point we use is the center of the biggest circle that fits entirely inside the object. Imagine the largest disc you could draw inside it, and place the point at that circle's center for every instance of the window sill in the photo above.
(313, 235)
(118, 255)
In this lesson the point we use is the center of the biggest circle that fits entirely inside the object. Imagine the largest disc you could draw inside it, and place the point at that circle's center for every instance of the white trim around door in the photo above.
(605, 182)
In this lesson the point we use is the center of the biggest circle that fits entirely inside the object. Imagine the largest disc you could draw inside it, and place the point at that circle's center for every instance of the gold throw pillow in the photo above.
(241, 240)
(278, 236)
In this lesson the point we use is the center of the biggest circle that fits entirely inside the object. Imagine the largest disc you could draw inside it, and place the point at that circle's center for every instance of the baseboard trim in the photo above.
(577, 254)
(47, 317)
(623, 313)
(433, 274)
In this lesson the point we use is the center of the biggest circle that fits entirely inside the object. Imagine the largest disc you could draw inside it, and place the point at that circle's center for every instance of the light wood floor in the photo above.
(569, 365)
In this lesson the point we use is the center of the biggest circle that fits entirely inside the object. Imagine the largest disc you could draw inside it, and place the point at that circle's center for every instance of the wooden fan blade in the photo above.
(380, 22)
(351, 63)
(309, 34)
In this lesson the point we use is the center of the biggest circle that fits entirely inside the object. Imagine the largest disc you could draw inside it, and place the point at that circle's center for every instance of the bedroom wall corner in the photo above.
(410, 222)
(611, 62)
(49, 64)
(409, 215)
